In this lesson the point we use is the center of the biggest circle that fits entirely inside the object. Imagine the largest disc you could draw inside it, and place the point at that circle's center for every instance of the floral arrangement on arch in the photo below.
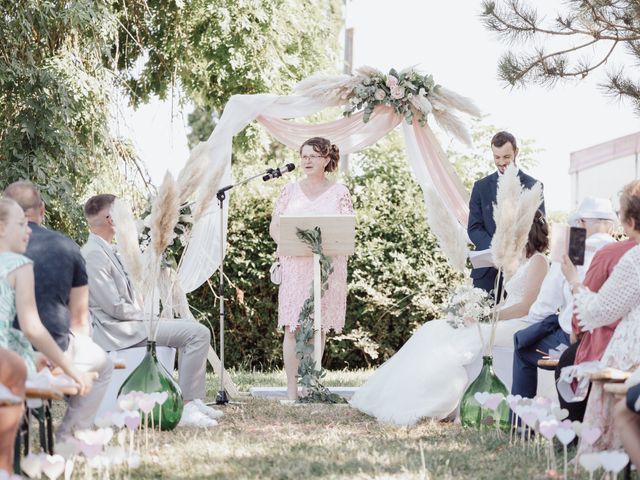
(411, 94)
(407, 93)
(467, 306)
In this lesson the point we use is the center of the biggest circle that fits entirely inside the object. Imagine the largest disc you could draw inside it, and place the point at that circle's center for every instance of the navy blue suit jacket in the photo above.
(481, 226)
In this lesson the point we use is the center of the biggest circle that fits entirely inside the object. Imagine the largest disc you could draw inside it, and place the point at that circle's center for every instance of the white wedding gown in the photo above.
(428, 375)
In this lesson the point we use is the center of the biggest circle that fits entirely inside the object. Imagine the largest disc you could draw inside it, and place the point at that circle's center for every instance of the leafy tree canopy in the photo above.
(584, 38)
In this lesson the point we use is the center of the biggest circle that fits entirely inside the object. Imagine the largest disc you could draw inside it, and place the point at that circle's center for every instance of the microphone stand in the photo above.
(222, 398)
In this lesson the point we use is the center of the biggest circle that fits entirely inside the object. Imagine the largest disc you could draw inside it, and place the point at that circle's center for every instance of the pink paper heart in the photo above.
(132, 420)
(565, 435)
(548, 428)
(529, 417)
(89, 450)
(590, 461)
(146, 404)
(31, 466)
(118, 418)
(590, 435)
(493, 401)
(614, 461)
(481, 397)
(52, 466)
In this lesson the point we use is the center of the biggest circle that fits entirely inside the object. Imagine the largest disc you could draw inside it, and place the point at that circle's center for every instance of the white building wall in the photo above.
(604, 180)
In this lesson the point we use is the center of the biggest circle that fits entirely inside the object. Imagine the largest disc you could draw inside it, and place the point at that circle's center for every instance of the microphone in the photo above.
(277, 172)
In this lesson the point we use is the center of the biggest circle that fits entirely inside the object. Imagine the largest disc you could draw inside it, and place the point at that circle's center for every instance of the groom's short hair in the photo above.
(97, 203)
(500, 138)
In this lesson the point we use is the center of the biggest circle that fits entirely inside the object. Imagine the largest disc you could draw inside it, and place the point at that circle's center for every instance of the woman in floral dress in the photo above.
(313, 195)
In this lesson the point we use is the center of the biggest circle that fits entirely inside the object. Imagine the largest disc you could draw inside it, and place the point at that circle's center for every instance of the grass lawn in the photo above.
(262, 439)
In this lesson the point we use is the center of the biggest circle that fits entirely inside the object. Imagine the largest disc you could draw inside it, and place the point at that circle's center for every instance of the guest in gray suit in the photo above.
(62, 299)
(117, 315)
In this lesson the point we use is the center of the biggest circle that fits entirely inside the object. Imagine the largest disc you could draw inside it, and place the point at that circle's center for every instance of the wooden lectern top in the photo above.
(338, 234)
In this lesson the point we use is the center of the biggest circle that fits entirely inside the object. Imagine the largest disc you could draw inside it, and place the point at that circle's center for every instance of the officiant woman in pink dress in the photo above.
(315, 194)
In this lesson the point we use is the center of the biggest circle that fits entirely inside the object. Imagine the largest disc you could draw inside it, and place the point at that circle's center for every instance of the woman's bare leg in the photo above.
(627, 424)
(13, 374)
(290, 363)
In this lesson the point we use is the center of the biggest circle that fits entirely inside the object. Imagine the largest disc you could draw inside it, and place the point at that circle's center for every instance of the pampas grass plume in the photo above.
(505, 214)
(165, 212)
(190, 176)
(208, 191)
(127, 238)
(452, 239)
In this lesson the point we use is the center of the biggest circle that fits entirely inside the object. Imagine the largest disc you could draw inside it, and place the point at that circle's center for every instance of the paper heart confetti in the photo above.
(101, 436)
(577, 427)
(31, 466)
(613, 461)
(52, 466)
(548, 428)
(560, 413)
(565, 435)
(118, 418)
(146, 404)
(494, 400)
(67, 449)
(590, 435)
(160, 397)
(481, 397)
(132, 420)
(590, 461)
(513, 400)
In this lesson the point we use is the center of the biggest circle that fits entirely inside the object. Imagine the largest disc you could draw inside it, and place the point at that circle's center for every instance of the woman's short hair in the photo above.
(97, 203)
(630, 204)
(325, 148)
(538, 235)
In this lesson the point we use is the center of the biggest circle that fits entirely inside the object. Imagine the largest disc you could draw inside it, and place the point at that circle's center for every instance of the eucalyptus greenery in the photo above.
(308, 376)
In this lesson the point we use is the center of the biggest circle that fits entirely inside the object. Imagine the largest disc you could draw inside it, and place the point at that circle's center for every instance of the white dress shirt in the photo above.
(555, 293)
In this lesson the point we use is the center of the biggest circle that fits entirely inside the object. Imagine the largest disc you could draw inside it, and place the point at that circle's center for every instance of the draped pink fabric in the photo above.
(351, 134)
(446, 181)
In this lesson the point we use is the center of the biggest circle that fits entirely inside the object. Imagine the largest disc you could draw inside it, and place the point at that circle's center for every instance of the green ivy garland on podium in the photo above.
(308, 376)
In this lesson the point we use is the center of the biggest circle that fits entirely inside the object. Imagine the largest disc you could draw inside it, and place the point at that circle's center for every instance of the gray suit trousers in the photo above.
(192, 341)
(86, 356)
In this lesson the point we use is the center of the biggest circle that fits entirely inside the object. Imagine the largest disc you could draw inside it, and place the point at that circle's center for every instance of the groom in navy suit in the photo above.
(481, 225)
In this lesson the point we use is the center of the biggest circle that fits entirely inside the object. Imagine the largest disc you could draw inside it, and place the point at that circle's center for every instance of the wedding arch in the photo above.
(373, 103)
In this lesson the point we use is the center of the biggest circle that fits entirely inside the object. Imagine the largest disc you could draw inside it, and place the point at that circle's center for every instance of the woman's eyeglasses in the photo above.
(311, 157)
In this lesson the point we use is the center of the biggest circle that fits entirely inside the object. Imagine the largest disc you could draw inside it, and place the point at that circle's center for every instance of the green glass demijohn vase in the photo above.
(150, 377)
(471, 412)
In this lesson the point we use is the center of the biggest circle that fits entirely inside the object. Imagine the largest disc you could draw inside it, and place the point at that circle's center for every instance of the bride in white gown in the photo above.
(427, 376)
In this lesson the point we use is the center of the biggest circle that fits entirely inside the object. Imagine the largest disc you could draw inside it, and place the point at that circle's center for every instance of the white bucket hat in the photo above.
(594, 207)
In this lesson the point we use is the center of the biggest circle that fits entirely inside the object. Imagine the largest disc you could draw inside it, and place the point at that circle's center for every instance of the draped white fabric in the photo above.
(202, 257)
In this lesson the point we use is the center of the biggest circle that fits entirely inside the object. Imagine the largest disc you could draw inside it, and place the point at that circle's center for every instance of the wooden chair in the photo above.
(548, 362)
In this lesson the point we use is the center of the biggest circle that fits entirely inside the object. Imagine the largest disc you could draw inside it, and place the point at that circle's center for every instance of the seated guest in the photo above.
(626, 416)
(589, 346)
(618, 298)
(13, 375)
(551, 329)
(62, 297)
(17, 296)
(118, 318)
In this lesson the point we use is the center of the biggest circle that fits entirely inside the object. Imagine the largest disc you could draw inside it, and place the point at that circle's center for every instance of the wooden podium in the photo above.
(338, 238)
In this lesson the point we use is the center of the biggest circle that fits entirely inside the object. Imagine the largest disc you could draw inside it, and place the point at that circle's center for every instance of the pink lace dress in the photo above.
(297, 272)
(619, 297)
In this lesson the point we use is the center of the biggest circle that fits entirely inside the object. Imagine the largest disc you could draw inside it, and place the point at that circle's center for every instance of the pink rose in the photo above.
(397, 92)
(380, 94)
(392, 81)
